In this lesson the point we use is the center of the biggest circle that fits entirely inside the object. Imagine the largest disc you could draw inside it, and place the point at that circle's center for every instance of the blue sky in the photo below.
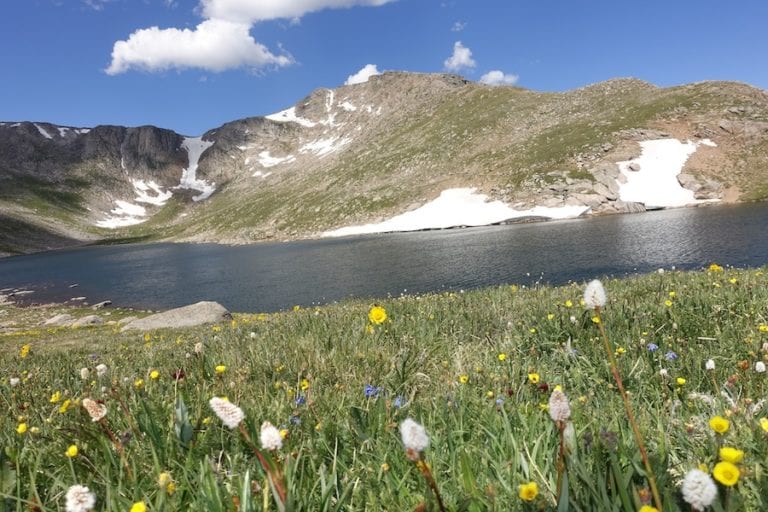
(89, 62)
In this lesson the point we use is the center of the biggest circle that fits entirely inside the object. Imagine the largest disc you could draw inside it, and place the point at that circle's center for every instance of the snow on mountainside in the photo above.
(400, 151)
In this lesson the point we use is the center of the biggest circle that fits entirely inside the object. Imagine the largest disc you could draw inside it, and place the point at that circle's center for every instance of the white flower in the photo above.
(84, 373)
(230, 414)
(664, 373)
(199, 347)
(710, 365)
(270, 437)
(594, 294)
(14, 381)
(253, 335)
(79, 499)
(572, 319)
(415, 438)
(765, 346)
(699, 491)
(101, 370)
(559, 408)
(95, 409)
(660, 271)
(760, 367)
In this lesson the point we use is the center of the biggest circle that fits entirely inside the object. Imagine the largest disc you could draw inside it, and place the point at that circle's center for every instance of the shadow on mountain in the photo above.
(20, 237)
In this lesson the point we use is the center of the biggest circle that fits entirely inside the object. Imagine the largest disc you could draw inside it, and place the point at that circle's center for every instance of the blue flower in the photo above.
(372, 391)
(398, 403)
(652, 347)
(499, 402)
(670, 356)
(300, 400)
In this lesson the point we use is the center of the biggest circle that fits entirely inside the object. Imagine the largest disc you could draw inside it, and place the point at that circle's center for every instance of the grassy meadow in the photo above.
(478, 370)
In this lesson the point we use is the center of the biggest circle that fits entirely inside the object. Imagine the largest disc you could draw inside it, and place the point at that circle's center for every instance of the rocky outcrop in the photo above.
(188, 316)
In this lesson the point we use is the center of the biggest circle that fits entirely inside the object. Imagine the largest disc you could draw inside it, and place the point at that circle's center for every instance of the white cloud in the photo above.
(363, 75)
(458, 26)
(214, 45)
(96, 5)
(249, 11)
(461, 58)
(222, 41)
(497, 77)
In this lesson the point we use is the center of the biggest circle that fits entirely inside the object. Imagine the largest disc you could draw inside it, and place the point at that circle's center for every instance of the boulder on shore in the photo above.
(59, 320)
(204, 312)
(88, 321)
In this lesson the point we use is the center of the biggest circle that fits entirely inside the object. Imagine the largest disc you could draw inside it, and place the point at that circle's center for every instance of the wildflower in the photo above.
(284, 432)
(220, 369)
(670, 356)
(620, 350)
(415, 438)
(79, 499)
(652, 347)
(664, 373)
(762, 328)
(270, 437)
(199, 347)
(648, 508)
(489, 394)
(138, 383)
(65, 406)
(668, 303)
(165, 483)
(24, 351)
(533, 378)
(699, 490)
(304, 384)
(230, 414)
(502, 357)
(594, 295)
(95, 409)
(710, 364)
(568, 303)
(732, 455)
(719, 424)
(71, 451)
(680, 381)
(398, 402)
(714, 267)
(733, 280)
(14, 381)
(371, 391)
(595, 319)
(55, 397)
(550, 316)
(101, 370)
(760, 367)
(301, 400)
(385, 467)
(463, 378)
(21, 429)
(529, 491)
(559, 408)
(84, 373)
(726, 473)
(154, 375)
(764, 424)
(139, 506)
(377, 315)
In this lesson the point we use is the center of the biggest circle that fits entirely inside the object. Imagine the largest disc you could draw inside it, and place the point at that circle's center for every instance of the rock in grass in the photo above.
(204, 312)
(88, 321)
(59, 320)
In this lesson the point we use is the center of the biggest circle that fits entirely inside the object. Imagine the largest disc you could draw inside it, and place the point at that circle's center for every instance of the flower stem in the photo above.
(630, 414)
(424, 468)
(275, 478)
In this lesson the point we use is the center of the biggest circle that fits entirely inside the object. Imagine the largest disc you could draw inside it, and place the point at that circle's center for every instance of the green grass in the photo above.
(343, 450)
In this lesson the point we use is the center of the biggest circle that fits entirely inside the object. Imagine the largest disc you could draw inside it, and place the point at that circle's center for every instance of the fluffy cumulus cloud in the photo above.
(221, 42)
(214, 45)
(497, 77)
(363, 75)
(461, 58)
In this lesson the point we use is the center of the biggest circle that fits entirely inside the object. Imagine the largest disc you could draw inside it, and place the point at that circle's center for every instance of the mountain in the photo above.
(368, 152)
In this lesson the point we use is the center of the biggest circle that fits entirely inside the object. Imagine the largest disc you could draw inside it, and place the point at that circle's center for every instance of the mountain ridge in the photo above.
(367, 152)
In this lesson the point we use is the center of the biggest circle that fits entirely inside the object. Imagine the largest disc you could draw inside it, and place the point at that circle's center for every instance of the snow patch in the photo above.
(457, 207)
(655, 184)
(63, 131)
(259, 174)
(708, 142)
(348, 106)
(266, 160)
(82, 131)
(289, 115)
(124, 214)
(195, 147)
(150, 192)
(42, 131)
(323, 147)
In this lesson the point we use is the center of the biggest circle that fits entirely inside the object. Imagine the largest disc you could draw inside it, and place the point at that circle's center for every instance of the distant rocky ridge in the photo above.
(367, 152)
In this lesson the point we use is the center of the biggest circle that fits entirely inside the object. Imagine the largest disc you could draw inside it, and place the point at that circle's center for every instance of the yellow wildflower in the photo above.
(24, 351)
(680, 381)
(714, 267)
(220, 369)
(529, 491)
(139, 506)
(463, 378)
(595, 319)
(726, 473)
(668, 303)
(532, 330)
(764, 424)
(21, 428)
(719, 424)
(283, 432)
(730, 454)
(71, 451)
(672, 294)
(489, 394)
(304, 384)
(733, 280)
(165, 482)
(385, 467)
(502, 357)
(64, 406)
(56, 397)
(648, 508)
(569, 303)
(147, 337)
(533, 378)
(762, 328)
(154, 375)
(377, 315)
(550, 316)
(138, 383)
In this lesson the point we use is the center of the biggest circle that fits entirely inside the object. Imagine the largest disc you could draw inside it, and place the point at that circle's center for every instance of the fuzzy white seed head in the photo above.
(79, 499)
(710, 364)
(101, 370)
(594, 295)
(199, 347)
(14, 381)
(253, 335)
(760, 367)
(559, 408)
(699, 490)
(96, 410)
(270, 437)
(229, 414)
(415, 438)
(84, 373)
(664, 373)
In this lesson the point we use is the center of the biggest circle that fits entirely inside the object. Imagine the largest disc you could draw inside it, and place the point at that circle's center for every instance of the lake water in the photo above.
(275, 276)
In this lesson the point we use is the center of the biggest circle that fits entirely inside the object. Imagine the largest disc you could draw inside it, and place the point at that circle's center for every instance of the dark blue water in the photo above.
(275, 276)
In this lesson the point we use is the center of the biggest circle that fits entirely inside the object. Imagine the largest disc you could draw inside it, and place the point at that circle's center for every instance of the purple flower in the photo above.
(372, 391)
(652, 347)
(398, 402)
(670, 356)
(300, 400)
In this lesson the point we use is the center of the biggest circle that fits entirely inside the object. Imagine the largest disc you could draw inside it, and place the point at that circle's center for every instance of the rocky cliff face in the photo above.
(367, 152)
